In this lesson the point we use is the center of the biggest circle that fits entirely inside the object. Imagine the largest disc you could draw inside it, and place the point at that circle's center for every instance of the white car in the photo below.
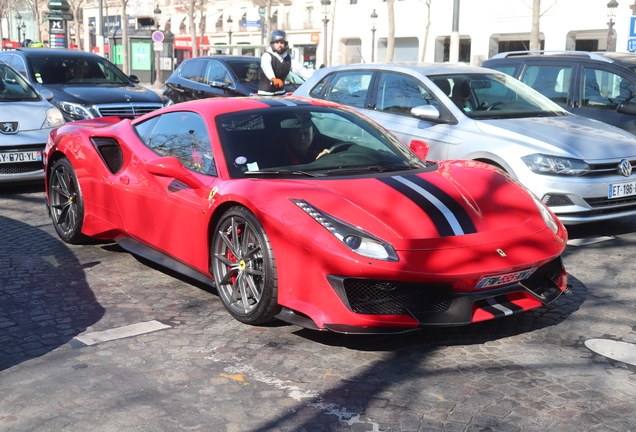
(581, 168)
(26, 119)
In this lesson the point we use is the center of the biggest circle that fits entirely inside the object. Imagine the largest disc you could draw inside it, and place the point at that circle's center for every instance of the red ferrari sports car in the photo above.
(307, 212)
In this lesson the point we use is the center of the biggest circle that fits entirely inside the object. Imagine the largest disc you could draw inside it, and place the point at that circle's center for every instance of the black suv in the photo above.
(600, 86)
(219, 76)
(84, 85)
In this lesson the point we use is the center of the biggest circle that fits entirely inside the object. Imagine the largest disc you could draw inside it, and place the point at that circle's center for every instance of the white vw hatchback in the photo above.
(581, 168)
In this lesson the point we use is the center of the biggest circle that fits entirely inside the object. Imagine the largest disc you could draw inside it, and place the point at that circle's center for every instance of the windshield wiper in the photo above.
(375, 168)
(285, 172)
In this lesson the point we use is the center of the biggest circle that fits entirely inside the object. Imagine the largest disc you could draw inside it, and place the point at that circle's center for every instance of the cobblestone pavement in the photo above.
(207, 372)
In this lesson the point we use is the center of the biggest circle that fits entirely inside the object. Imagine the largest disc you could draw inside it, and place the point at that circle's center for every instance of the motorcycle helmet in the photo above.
(278, 35)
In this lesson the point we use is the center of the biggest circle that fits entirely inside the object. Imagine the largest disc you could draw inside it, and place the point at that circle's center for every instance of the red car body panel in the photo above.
(178, 220)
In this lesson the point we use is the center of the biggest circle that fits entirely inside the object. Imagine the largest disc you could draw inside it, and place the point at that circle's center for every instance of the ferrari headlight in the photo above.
(354, 238)
(76, 111)
(54, 118)
(554, 165)
(546, 214)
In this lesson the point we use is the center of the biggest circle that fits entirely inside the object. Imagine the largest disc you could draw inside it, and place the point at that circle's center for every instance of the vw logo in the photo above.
(625, 168)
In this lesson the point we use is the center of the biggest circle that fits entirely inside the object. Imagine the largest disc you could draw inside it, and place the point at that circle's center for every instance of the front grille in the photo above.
(381, 297)
(600, 211)
(606, 202)
(606, 169)
(129, 110)
(22, 167)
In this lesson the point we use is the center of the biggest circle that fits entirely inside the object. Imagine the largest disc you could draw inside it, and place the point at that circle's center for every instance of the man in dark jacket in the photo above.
(276, 63)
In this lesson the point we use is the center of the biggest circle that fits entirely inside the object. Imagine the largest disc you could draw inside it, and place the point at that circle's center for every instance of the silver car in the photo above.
(26, 119)
(581, 168)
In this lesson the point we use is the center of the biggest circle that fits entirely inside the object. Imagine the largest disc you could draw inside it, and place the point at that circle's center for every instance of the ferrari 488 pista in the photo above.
(307, 212)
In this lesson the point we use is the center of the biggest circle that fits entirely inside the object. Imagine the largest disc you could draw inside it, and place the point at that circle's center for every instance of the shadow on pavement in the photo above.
(45, 300)
(405, 364)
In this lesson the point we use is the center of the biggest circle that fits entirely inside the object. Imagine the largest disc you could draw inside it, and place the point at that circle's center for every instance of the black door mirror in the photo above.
(626, 108)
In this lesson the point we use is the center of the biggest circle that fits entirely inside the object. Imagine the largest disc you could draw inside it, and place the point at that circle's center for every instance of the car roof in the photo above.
(222, 105)
(55, 51)
(225, 57)
(623, 59)
(422, 68)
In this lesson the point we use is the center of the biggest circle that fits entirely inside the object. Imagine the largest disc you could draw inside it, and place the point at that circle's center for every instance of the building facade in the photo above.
(345, 31)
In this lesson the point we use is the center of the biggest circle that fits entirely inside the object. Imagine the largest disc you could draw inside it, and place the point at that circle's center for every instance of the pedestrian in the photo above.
(276, 63)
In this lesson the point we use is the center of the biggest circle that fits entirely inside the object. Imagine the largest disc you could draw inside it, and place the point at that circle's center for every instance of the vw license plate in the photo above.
(620, 190)
(491, 281)
(25, 156)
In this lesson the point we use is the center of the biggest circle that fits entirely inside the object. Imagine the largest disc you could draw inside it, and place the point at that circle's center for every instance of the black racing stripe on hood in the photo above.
(437, 217)
(458, 211)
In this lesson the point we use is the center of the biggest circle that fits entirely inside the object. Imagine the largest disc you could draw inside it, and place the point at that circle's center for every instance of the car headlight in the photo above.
(555, 165)
(354, 238)
(76, 111)
(546, 214)
(54, 118)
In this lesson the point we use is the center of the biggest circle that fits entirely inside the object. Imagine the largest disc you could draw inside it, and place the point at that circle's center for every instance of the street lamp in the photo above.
(325, 20)
(157, 13)
(229, 29)
(374, 18)
(611, 13)
(18, 19)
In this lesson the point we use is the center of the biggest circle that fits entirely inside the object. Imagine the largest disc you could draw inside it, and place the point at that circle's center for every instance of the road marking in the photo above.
(589, 240)
(616, 350)
(121, 332)
(243, 370)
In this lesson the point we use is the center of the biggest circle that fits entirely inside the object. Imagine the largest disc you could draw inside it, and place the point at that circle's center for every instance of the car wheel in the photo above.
(244, 268)
(66, 203)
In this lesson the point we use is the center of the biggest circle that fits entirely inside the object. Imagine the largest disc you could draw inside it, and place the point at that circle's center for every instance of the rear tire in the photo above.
(244, 267)
(66, 203)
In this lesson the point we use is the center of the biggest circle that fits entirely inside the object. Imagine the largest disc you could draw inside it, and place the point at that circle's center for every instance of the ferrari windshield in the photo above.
(484, 96)
(76, 70)
(308, 141)
(13, 87)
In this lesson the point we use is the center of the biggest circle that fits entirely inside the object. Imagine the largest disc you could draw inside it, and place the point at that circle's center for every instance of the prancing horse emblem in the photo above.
(501, 253)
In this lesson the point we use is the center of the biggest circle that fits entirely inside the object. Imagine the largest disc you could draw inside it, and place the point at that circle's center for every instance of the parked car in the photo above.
(84, 85)
(363, 236)
(26, 119)
(581, 168)
(219, 76)
(601, 86)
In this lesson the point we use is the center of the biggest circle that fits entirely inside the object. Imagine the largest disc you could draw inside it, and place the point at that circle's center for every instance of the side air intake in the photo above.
(110, 151)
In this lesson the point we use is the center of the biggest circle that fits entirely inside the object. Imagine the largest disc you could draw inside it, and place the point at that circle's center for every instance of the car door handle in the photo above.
(178, 87)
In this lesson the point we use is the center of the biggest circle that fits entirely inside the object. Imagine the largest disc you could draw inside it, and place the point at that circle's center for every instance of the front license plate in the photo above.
(491, 281)
(621, 190)
(25, 156)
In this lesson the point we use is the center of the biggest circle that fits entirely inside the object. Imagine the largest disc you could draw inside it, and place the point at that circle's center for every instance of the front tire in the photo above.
(244, 267)
(66, 203)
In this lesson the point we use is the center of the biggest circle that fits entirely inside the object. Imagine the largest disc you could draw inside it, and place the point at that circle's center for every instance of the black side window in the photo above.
(193, 71)
(552, 81)
(183, 135)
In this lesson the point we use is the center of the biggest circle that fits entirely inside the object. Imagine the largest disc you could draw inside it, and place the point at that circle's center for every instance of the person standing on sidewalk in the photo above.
(276, 63)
